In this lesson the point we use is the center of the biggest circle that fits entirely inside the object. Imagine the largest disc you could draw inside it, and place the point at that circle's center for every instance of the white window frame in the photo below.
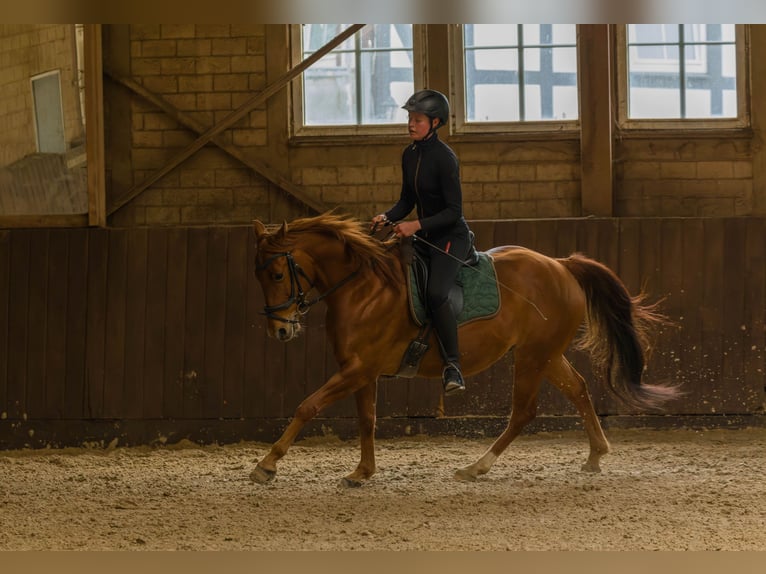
(298, 130)
(623, 91)
(459, 123)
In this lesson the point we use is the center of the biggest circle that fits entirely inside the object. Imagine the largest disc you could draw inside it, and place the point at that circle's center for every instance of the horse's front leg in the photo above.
(365, 407)
(341, 384)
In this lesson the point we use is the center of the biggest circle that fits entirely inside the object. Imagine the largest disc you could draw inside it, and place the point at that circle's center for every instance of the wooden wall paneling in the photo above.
(236, 323)
(157, 271)
(526, 233)
(650, 277)
(755, 293)
(76, 325)
(484, 232)
(315, 369)
(98, 258)
(687, 338)
(116, 310)
(665, 361)
(424, 396)
(255, 341)
(135, 323)
(37, 327)
(393, 393)
(18, 324)
(732, 397)
(272, 383)
(503, 234)
(194, 337)
(56, 324)
(215, 322)
(710, 377)
(175, 323)
(293, 379)
(5, 286)
(629, 267)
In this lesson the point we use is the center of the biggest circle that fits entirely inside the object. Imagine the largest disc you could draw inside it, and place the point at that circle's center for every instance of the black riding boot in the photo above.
(446, 328)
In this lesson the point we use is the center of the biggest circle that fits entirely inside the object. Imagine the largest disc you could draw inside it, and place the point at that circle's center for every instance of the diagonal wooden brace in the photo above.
(233, 118)
(253, 163)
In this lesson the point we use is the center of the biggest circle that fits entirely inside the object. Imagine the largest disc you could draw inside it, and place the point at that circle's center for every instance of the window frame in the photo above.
(742, 43)
(460, 125)
(298, 131)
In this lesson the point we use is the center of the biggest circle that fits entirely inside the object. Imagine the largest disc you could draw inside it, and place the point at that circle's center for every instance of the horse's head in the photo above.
(283, 280)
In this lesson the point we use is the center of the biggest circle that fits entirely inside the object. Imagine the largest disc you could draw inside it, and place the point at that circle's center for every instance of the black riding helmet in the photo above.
(431, 103)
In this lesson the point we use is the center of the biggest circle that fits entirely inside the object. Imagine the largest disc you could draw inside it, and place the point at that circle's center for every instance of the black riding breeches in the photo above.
(443, 269)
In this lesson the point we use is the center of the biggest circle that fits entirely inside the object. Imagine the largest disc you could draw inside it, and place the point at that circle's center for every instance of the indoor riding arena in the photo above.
(144, 401)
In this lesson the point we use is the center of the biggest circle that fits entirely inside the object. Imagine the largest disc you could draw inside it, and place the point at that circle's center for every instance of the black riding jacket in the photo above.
(431, 182)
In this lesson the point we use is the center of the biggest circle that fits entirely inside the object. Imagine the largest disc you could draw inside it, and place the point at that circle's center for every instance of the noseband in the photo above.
(297, 296)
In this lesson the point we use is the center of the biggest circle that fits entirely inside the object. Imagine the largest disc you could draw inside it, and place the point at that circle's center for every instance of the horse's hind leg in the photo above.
(526, 386)
(565, 377)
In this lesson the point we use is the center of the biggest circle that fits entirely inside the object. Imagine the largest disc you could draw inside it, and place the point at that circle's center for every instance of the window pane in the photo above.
(382, 94)
(662, 86)
(329, 93)
(363, 82)
(496, 103)
(492, 71)
(490, 35)
(655, 103)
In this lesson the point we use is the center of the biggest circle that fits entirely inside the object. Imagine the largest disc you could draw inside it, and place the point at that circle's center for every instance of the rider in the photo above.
(431, 183)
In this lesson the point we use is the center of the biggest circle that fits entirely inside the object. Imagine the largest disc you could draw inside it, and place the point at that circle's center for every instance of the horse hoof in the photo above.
(465, 475)
(347, 482)
(262, 476)
(590, 467)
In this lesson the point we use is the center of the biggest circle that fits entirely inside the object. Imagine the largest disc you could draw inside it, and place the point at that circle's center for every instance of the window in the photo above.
(360, 86)
(682, 72)
(515, 73)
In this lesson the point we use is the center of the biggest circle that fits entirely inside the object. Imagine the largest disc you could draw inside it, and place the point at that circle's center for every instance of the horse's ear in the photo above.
(282, 230)
(260, 229)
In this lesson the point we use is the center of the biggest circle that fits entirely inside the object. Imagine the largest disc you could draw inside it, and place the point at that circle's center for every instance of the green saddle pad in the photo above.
(481, 296)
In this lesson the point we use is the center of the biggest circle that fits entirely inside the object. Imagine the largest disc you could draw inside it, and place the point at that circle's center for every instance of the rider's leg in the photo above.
(443, 271)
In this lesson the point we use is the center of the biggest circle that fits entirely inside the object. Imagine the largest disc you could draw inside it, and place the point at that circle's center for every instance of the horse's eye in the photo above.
(277, 276)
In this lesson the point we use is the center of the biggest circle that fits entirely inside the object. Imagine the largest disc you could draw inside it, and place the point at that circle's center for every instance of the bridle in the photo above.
(297, 295)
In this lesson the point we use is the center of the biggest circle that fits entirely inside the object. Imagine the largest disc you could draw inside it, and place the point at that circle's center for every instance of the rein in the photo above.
(297, 294)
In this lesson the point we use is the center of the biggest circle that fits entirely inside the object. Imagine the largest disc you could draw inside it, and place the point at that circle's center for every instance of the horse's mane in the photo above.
(361, 247)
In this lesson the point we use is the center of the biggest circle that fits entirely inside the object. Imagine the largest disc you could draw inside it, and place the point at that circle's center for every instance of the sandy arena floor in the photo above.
(659, 490)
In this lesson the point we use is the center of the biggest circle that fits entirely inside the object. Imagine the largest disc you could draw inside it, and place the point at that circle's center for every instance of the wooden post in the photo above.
(94, 125)
(596, 109)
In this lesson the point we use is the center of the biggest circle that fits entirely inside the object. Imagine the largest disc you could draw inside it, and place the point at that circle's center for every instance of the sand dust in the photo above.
(659, 490)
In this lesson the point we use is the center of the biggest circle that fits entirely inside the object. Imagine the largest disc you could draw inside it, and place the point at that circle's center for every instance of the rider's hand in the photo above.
(407, 228)
(378, 220)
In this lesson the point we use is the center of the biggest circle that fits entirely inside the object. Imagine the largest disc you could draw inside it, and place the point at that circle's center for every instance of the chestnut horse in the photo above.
(543, 303)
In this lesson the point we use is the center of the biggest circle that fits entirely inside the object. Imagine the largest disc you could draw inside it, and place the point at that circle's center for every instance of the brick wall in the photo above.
(685, 178)
(209, 70)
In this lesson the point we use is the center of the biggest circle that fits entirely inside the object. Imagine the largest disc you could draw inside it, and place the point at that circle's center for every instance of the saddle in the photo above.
(474, 295)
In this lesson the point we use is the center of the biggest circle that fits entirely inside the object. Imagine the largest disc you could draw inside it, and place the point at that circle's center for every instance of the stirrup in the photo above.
(452, 380)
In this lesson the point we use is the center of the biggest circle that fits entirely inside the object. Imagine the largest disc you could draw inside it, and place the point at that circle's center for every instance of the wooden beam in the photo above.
(255, 164)
(596, 138)
(31, 221)
(235, 116)
(94, 125)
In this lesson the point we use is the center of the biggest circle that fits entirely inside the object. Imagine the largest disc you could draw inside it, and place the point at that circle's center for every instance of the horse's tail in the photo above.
(617, 333)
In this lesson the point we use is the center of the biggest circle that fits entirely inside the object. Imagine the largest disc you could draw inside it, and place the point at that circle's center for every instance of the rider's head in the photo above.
(434, 105)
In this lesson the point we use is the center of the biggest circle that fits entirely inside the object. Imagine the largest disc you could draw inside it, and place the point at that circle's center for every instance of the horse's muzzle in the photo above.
(284, 331)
